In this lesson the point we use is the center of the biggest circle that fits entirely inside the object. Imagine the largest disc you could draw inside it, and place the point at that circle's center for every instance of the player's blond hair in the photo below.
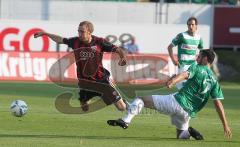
(88, 24)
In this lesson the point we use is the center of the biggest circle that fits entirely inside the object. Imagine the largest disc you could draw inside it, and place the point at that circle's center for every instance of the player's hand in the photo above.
(38, 34)
(227, 132)
(169, 83)
(176, 63)
(122, 62)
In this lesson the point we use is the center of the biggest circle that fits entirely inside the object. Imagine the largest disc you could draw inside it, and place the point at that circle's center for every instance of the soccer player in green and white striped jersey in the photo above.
(188, 43)
(183, 105)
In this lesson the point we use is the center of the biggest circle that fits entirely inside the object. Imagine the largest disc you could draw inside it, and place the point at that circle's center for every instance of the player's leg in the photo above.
(168, 105)
(84, 94)
(133, 109)
(90, 89)
(165, 104)
(161, 103)
(121, 105)
(181, 120)
(84, 98)
(102, 89)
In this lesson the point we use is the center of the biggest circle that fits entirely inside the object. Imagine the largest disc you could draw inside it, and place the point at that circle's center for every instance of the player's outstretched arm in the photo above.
(178, 78)
(123, 60)
(55, 38)
(221, 113)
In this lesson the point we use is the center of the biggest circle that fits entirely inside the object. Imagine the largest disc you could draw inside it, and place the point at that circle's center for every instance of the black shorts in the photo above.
(101, 88)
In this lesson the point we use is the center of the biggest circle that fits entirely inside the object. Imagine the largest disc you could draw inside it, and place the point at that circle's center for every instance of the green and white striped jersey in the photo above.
(188, 47)
(201, 84)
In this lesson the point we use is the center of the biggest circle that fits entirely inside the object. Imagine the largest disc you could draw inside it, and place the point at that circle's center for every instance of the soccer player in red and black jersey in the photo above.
(88, 51)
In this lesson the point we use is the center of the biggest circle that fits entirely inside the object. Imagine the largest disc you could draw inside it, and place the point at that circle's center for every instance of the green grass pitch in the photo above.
(44, 126)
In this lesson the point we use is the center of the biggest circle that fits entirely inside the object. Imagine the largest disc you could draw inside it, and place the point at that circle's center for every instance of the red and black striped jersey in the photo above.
(89, 57)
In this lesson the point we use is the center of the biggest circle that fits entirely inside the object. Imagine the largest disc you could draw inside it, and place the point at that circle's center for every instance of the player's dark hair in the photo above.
(209, 53)
(88, 24)
(192, 18)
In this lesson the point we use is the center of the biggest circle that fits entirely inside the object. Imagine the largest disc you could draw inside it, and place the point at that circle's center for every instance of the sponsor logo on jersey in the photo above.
(94, 48)
(189, 47)
(85, 55)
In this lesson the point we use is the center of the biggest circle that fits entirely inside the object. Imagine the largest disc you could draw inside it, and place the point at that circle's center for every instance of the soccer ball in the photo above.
(18, 108)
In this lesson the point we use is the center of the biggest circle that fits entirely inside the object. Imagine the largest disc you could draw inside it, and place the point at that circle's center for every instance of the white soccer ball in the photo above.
(18, 108)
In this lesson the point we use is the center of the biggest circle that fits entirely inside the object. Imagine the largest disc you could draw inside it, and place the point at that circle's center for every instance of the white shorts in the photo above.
(168, 105)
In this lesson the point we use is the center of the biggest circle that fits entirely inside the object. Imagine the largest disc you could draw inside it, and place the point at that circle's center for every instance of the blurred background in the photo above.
(149, 24)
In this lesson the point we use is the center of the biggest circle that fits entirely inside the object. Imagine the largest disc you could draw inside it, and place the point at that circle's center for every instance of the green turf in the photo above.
(44, 126)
